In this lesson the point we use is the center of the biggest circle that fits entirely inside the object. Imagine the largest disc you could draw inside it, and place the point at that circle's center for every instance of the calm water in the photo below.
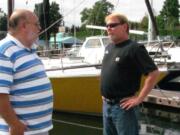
(74, 124)
(153, 122)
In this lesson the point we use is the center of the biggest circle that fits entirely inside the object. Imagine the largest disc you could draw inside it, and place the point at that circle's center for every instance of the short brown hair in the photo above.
(122, 18)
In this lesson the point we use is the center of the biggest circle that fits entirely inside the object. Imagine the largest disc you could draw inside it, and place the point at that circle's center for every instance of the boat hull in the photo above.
(77, 94)
(80, 94)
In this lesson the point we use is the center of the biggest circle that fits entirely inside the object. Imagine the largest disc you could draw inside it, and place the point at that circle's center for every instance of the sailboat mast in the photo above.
(10, 7)
(152, 18)
(151, 32)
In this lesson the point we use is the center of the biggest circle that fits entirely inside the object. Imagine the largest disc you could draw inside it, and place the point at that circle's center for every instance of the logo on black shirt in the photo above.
(117, 59)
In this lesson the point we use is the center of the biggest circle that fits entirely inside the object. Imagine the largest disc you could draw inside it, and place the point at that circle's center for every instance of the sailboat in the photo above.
(76, 87)
(76, 83)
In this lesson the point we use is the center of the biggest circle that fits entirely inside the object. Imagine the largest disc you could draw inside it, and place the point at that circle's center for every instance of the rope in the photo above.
(77, 124)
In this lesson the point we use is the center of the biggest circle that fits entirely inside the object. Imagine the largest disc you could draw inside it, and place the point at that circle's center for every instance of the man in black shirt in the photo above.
(124, 62)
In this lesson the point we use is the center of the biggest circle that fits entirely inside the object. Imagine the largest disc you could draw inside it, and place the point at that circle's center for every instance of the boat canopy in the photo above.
(68, 41)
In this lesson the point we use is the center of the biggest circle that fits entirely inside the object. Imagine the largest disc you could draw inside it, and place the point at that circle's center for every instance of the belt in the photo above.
(111, 101)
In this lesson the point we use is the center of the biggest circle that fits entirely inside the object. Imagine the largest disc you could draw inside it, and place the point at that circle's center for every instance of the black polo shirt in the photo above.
(122, 67)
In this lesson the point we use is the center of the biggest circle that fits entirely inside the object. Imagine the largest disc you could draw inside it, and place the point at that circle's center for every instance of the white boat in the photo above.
(76, 87)
(76, 82)
(93, 49)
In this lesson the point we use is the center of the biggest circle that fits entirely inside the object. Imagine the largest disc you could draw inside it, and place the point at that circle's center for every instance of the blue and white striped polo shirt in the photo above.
(23, 77)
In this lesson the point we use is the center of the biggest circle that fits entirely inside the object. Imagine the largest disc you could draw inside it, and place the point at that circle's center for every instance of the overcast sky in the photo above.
(134, 9)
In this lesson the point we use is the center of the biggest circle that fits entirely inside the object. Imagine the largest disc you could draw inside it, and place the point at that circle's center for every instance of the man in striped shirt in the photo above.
(26, 98)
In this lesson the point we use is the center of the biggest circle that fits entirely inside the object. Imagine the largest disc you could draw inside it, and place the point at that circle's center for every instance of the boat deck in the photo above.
(163, 97)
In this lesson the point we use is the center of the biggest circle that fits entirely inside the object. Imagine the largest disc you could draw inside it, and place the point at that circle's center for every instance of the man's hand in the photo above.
(18, 128)
(130, 102)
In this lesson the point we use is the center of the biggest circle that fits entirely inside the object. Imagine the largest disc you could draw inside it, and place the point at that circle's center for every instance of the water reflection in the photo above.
(159, 120)
(75, 124)
(158, 126)
(152, 122)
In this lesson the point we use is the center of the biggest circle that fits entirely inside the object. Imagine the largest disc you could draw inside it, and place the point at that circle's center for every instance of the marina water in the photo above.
(153, 121)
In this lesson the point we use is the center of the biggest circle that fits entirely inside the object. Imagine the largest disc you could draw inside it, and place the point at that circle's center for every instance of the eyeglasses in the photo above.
(112, 25)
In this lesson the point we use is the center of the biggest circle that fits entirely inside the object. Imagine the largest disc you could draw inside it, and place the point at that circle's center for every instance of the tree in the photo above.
(3, 24)
(74, 29)
(46, 9)
(54, 15)
(42, 11)
(169, 15)
(3, 21)
(144, 23)
(96, 15)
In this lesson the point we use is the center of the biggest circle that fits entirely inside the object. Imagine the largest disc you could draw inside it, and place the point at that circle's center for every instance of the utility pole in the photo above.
(154, 32)
(46, 8)
(10, 9)
(151, 31)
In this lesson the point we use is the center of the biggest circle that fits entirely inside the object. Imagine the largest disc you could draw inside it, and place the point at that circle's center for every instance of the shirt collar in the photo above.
(17, 42)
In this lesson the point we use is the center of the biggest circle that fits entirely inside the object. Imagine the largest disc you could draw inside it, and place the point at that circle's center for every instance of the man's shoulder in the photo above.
(133, 42)
(136, 45)
(5, 44)
(109, 46)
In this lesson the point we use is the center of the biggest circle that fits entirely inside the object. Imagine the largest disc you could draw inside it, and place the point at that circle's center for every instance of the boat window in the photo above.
(93, 43)
(106, 41)
(176, 79)
(171, 81)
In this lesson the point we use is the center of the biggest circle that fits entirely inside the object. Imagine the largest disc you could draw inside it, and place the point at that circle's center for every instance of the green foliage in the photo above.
(40, 12)
(160, 22)
(167, 21)
(169, 16)
(3, 21)
(174, 33)
(96, 14)
(144, 23)
(54, 15)
(45, 21)
(134, 25)
(83, 32)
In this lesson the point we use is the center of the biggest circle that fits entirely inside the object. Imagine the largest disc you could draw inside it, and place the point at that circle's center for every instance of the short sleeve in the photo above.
(143, 60)
(6, 74)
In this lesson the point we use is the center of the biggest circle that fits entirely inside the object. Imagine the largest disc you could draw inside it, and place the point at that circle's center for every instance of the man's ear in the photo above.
(22, 25)
(126, 26)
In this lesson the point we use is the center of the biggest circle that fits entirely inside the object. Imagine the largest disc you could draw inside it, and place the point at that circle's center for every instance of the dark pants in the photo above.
(117, 121)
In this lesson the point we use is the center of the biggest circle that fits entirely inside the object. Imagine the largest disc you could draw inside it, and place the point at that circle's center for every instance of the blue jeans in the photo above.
(117, 121)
